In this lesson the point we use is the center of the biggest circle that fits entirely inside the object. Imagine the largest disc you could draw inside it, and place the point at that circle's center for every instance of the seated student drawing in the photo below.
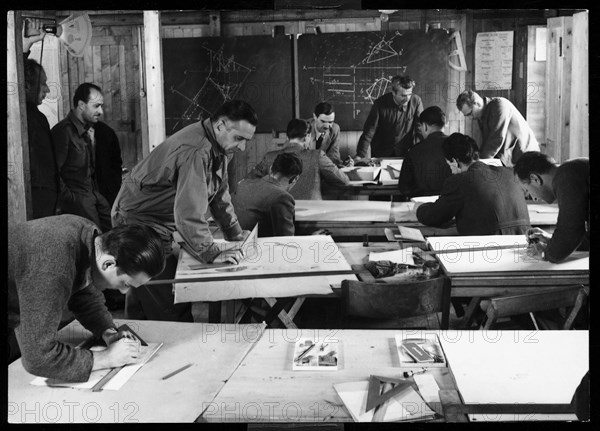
(424, 169)
(266, 200)
(568, 185)
(485, 200)
(317, 168)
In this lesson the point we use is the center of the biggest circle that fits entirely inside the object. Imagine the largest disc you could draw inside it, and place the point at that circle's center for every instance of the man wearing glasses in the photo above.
(505, 133)
(391, 127)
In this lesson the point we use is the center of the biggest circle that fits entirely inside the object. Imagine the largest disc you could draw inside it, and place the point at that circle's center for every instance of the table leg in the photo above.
(446, 304)
(466, 321)
(277, 309)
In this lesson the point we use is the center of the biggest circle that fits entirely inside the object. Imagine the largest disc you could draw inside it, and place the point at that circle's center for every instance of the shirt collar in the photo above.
(81, 127)
(216, 149)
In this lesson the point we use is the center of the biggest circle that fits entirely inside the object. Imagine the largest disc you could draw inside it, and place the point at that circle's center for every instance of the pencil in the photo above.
(179, 370)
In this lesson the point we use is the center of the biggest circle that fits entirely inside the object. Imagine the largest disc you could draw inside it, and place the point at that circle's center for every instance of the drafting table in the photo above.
(353, 219)
(215, 351)
(516, 367)
(355, 254)
(477, 274)
(265, 389)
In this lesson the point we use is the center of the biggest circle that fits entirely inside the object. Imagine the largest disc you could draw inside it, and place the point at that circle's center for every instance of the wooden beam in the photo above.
(153, 81)
(214, 24)
(19, 189)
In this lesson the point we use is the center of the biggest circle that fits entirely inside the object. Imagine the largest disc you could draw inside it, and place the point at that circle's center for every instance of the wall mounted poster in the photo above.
(494, 60)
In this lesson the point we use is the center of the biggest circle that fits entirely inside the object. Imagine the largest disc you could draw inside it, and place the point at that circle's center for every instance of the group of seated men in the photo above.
(166, 197)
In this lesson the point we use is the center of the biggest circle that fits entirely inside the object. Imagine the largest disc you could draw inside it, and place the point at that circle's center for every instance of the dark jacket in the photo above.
(506, 135)
(390, 129)
(262, 201)
(571, 186)
(486, 200)
(45, 183)
(108, 161)
(424, 168)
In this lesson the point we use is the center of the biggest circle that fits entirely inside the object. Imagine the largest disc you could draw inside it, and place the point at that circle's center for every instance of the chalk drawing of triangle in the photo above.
(381, 51)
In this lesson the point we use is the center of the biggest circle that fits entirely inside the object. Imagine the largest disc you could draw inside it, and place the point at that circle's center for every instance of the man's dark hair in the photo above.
(466, 97)
(33, 74)
(136, 248)
(83, 93)
(236, 110)
(297, 128)
(532, 162)
(323, 108)
(287, 164)
(404, 81)
(434, 116)
(460, 147)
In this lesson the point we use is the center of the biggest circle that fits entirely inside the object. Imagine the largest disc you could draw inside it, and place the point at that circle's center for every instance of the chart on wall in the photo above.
(351, 70)
(202, 73)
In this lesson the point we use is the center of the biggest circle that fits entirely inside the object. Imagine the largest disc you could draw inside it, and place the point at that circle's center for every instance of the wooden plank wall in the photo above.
(579, 139)
(558, 87)
(536, 91)
(17, 157)
(402, 20)
(112, 63)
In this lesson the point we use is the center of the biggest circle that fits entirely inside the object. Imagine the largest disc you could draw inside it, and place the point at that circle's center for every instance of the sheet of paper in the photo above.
(515, 417)
(411, 234)
(425, 198)
(492, 260)
(238, 245)
(491, 162)
(543, 208)
(403, 256)
(521, 366)
(409, 406)
(428, 387)
(342, 211)
(270, 255)
(113, 384)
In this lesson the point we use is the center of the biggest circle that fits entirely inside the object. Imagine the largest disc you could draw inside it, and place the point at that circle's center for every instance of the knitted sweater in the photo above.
(49, 269)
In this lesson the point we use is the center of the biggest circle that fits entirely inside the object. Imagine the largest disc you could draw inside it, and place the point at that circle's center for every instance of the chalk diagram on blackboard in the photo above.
(220, 81)
(364, 81)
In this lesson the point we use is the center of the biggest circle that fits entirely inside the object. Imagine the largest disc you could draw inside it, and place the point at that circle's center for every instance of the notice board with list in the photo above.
(494, 60)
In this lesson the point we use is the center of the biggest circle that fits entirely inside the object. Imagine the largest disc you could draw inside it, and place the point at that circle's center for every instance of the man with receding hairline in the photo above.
(391, 127)
(172, 189)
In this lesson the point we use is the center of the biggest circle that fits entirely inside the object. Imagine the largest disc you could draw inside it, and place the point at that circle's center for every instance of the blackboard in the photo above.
(351, 70)
(201, 73)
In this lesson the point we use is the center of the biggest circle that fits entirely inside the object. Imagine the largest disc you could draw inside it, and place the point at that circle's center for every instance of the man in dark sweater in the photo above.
(391, 127)
(64, 262)
(569, 185)
(424, 169)
(266, 200)
(485, 200)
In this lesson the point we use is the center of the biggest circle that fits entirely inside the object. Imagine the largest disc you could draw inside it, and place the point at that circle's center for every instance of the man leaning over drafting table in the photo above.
(569, 185)
(485, 200)
(64, 261)
(171, 190)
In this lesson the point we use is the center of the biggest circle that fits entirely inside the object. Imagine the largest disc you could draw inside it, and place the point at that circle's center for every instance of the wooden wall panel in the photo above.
(536, 94)
(579, 138)
(558, 95)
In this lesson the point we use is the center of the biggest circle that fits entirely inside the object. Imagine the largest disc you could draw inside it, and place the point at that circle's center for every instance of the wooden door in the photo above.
(111, 62)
